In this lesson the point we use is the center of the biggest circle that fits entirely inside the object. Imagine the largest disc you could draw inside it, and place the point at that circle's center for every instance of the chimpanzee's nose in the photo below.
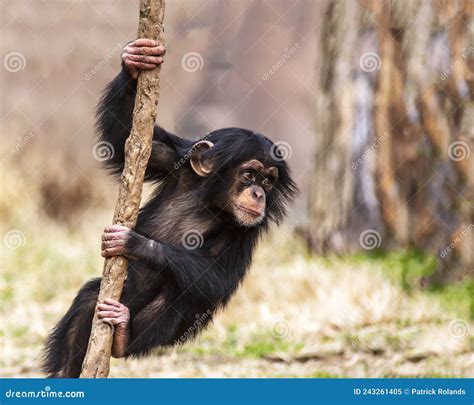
(257, 193)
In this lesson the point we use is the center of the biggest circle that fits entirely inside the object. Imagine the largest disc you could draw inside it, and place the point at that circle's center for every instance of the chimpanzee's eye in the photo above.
(247, 175)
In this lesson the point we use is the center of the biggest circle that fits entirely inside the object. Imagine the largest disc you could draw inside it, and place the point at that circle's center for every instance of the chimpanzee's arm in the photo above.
(194, 271)
(114, 117)
(114, 123)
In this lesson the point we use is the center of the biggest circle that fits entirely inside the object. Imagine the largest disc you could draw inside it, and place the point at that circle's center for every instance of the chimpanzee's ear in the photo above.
(201, 165)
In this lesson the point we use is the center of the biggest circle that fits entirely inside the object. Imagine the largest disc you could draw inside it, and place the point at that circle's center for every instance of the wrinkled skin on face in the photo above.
(246, 189)
(247, 195)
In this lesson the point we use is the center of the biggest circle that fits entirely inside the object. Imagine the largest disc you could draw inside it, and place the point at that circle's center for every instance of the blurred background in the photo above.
(372, 102)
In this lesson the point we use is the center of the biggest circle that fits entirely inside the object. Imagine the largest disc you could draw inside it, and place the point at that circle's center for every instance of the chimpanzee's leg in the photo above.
(152, 326)
(157, 324)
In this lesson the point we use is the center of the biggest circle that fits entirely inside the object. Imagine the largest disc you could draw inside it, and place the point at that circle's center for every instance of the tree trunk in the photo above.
(408, 132)
(332, 182)
(137, 152)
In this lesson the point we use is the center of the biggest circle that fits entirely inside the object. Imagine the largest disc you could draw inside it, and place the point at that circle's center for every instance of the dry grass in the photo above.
(296, 315)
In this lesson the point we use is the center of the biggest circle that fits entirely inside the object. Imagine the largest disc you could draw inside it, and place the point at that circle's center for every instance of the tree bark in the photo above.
(335, 97)
(400, 126)
(137, 153)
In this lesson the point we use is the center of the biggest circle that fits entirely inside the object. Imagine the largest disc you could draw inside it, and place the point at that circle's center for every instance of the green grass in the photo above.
(257, 345)
(74, 258)
(407, 268)
(263, 345)
(457, 298)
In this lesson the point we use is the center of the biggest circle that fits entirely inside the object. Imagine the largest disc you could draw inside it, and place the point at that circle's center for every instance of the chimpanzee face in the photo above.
(248, 193)
(242, 180)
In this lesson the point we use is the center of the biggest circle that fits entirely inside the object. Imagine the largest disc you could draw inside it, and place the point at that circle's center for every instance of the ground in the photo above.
(296, 315)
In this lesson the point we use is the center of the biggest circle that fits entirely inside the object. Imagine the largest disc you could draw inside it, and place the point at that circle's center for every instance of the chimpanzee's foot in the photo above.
(115, 313)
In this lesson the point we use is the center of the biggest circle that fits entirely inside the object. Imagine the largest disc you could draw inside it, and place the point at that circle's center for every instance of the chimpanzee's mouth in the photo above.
(250, 211)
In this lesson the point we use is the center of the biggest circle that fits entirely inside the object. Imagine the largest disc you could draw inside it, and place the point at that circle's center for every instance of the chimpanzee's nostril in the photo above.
(257, 193)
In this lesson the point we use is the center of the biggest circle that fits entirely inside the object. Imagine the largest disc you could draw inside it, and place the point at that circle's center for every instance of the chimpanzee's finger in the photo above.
(107, 314)
(146, 59)
(112, 245)
(152, 51)
(114, 235)
(112, 252)
(115, 228)
(144, 42)
(111, 321)
(108, 244)
(107, 253)
(106, 307)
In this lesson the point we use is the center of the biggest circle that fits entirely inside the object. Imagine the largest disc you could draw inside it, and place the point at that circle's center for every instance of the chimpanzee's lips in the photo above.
(250, 211)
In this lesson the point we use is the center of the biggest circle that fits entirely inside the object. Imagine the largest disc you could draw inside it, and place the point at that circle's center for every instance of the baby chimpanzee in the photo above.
(194, 238)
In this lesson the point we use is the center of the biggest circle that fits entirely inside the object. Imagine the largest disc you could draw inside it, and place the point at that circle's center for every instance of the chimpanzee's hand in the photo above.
(114, 313)
(142, 54)
(114, 240)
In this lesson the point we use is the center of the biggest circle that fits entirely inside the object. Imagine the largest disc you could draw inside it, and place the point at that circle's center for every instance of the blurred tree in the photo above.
(394, 131)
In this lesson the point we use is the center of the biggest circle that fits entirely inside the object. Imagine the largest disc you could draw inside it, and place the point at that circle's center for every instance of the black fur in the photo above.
(172, 291)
